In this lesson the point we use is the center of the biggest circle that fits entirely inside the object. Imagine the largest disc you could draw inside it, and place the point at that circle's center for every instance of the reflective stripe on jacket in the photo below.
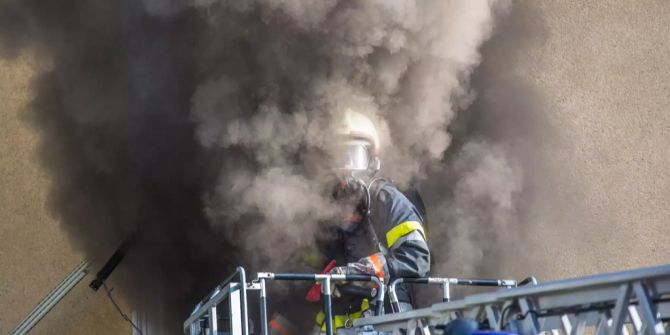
(342, 321)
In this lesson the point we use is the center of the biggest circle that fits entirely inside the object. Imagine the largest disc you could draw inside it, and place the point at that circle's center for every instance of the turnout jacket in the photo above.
(398, 226)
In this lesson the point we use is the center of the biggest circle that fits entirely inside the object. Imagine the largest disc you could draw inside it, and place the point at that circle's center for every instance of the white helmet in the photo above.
(357, 146)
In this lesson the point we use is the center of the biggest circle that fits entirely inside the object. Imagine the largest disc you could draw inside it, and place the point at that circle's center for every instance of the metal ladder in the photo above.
(51, 299)
(628, 302)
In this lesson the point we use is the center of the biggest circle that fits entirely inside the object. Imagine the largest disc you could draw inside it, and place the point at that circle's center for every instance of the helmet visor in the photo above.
(355, 156)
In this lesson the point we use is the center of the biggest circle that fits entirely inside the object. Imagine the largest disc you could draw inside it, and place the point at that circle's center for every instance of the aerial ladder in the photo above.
(627, 302)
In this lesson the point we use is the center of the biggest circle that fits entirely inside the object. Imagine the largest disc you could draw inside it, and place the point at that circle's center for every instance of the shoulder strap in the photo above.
(374, 188)
(376, 185)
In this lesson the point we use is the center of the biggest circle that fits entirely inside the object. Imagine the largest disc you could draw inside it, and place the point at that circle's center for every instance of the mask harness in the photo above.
(369, 227)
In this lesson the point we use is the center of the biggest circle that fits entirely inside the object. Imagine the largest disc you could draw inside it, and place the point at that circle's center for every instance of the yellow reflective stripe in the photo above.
(401, 230)
(340, 320)
(320, 317)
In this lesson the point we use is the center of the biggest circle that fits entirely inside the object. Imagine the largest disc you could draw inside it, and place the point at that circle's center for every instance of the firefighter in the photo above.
(380, 232)
(384, 234)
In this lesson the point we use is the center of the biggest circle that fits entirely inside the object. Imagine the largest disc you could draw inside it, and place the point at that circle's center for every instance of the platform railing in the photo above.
(206, 310)
(325, 280)
(446, 284)
(204, 318)
(619, 303)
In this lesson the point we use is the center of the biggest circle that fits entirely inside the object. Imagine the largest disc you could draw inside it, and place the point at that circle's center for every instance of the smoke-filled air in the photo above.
(196, 129)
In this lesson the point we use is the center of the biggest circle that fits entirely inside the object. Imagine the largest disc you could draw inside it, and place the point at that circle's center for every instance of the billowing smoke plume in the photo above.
(198, 127)
(296, 66)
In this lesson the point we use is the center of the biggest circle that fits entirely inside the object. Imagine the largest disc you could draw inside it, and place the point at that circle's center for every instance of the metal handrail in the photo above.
(208, 305)
(613, 303)
(446, 286)
(325, 280)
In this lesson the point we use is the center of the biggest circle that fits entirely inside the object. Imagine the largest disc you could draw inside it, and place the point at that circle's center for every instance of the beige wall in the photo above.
(604, 70)
(34, 254)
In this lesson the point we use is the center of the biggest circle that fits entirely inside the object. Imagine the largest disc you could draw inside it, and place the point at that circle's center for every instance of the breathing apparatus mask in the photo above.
(356, 165)
(356, 162)
(356, 159)
(355, 152)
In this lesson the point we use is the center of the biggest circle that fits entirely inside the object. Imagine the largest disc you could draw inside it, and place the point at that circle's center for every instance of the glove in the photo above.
(374, 265)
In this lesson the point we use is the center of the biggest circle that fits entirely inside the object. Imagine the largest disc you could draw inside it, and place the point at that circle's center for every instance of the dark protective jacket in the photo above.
(401, 223)
(398, 226)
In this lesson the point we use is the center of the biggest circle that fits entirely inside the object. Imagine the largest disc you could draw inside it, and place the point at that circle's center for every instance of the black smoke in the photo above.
(119, 144)
(191, 128)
